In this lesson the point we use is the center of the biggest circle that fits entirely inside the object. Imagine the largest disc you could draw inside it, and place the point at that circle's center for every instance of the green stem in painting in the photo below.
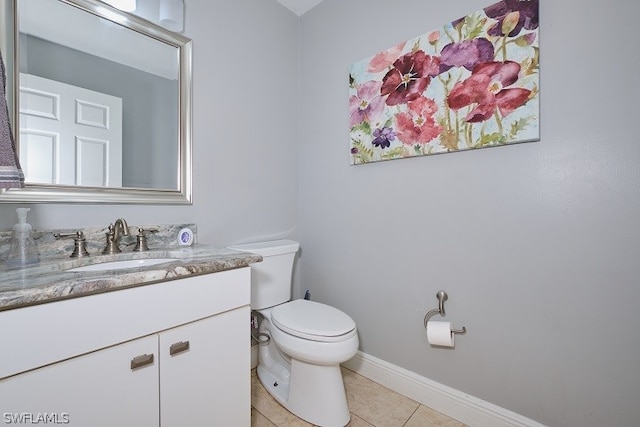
(457, 128)
(503, 48)
(498, 122)
(449, 34)
(447, 110)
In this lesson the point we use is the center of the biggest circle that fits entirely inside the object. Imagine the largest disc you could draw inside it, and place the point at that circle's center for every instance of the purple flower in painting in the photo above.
(409, 77)
(528, 16)
(466, 53)
(383, 137)
(526, 40)
(366, 104)
(457, 22)
(487, 90)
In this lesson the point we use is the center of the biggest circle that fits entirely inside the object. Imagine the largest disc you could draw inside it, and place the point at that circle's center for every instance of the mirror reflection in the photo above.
(96, 110)
(103, 100)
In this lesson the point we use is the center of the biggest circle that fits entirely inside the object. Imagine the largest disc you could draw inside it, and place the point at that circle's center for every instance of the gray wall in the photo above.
(536, 244)
(245, 115)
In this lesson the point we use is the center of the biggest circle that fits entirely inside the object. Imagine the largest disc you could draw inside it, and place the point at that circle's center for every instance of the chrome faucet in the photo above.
(116, 231)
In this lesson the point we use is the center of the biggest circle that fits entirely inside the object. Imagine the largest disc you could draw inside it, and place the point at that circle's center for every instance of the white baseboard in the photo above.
(460, 406)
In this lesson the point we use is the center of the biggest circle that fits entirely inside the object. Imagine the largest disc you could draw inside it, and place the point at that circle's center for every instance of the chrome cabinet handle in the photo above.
(142, 360)
(178, 347)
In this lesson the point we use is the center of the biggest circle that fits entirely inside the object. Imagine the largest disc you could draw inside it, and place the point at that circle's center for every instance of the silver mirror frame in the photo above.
(38, 193)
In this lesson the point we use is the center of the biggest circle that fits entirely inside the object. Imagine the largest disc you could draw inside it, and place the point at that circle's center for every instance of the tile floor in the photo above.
(370, 404)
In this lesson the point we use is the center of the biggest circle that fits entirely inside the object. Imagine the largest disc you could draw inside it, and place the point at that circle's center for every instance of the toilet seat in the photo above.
(313, 321)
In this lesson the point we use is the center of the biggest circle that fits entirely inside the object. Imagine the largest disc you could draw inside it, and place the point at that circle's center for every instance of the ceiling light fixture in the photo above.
(172, 14)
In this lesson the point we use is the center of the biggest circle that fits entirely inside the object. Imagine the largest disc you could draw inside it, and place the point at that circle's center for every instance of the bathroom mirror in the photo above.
(100, 102)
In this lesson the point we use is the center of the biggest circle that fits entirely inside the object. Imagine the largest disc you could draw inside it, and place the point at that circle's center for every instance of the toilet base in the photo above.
(312, 392)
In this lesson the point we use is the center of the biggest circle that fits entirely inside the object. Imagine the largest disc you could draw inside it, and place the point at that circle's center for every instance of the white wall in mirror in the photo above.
(42, 18)
(124, 5)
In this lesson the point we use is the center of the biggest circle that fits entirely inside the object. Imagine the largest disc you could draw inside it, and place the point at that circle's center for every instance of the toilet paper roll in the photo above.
(439, 333)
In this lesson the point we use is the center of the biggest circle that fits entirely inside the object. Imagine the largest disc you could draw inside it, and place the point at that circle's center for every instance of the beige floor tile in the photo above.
(266, 405)
(371, 405)
(375, 403)
(259, 420)
(428, 417)
(358, 422)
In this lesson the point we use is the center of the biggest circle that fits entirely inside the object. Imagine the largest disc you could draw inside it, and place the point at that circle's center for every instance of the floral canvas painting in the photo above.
(473, 83)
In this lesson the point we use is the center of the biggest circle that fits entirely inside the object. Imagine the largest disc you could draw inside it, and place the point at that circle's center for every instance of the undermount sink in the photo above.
(122, 265)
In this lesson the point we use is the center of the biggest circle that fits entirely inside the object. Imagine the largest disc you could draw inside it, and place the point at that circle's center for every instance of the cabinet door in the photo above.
(99, 389)
(207, 381)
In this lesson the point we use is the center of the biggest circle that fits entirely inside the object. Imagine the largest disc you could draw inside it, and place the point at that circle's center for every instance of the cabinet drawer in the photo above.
(43, 334)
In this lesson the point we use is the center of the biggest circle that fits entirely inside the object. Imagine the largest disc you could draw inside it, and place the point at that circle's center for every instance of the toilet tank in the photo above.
(271, 278)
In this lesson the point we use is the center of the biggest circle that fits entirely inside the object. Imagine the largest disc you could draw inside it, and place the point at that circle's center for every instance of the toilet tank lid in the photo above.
(273, 247)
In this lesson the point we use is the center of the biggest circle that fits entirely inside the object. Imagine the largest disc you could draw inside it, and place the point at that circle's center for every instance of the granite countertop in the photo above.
(50, 281)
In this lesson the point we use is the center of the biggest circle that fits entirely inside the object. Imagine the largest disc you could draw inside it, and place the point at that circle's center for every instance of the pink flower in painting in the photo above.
(409, 77)
(367, 104)
(383, 60)
(417, 125)
(434, 37)
(466, 53)
(486, 88)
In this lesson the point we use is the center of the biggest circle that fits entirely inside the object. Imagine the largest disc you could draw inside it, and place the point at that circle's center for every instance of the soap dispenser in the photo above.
(23, 250)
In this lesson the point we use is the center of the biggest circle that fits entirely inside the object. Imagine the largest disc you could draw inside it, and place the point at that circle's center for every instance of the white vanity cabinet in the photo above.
(97, 389)
(168, 354)
(210, 383)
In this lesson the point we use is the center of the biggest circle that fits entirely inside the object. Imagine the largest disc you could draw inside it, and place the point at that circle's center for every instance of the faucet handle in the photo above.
(111, 246)
(75, 235)
(79, 243)
(141, 239)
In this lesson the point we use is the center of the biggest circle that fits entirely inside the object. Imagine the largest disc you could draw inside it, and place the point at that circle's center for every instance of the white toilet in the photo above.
(300, 363)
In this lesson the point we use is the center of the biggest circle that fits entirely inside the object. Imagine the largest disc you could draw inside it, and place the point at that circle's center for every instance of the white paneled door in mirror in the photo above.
(69, 135)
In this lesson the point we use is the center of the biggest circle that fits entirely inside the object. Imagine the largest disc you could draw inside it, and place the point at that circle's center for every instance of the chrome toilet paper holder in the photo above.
(442, 297)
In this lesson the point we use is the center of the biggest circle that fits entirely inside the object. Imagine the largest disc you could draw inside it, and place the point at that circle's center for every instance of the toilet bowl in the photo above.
(300, 365)
(313, 332)
(303, 342)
